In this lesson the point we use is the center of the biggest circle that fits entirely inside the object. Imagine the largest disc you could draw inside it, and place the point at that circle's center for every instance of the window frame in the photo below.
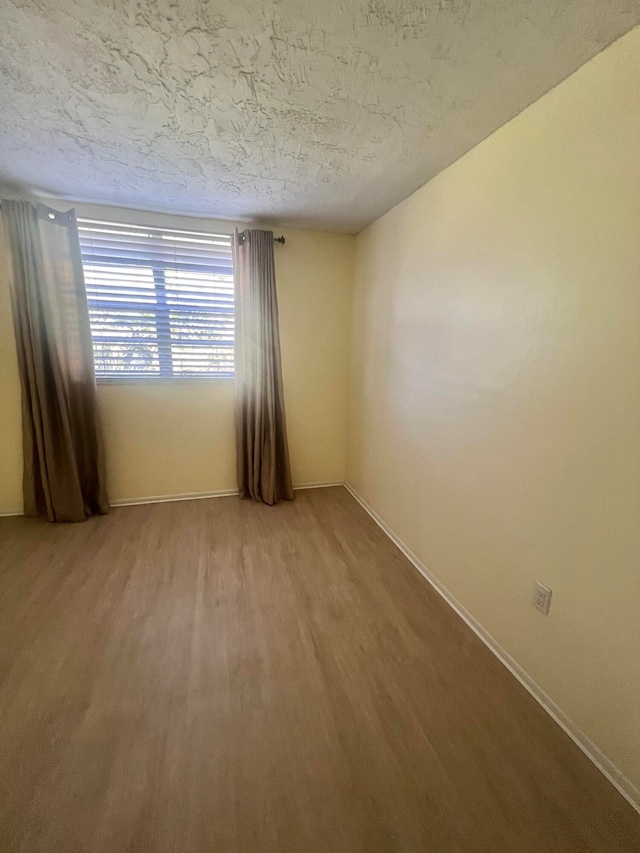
(161, 309)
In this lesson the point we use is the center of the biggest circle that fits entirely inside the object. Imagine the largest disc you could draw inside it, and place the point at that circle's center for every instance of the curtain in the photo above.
(64, 475)
(261, 433)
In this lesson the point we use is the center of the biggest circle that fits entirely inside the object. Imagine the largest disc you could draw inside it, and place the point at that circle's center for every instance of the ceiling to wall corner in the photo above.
(315, 113)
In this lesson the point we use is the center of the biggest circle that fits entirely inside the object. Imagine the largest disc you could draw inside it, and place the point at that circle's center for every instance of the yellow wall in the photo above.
(177, 437)
(495, 398)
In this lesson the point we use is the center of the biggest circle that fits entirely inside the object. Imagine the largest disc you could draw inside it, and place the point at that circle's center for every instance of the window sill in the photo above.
(161, 380)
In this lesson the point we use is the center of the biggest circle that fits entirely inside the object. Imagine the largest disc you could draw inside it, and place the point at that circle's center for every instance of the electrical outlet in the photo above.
(542, 598)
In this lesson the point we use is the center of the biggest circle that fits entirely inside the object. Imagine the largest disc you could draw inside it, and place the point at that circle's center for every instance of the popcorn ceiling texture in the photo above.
(316, 113)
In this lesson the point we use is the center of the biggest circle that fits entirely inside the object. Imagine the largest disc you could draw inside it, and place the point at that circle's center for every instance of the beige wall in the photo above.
(495, 405)
(177, 437)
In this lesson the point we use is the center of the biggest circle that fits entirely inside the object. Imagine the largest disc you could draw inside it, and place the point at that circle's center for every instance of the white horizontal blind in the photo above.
(160, 301)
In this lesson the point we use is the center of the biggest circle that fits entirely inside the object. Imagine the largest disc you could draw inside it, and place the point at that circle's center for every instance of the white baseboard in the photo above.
(198, 496)
(185, 496)
(604, 764)
(317, 485)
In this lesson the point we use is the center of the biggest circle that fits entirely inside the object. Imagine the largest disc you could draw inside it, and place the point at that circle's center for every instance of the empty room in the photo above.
(319, 426)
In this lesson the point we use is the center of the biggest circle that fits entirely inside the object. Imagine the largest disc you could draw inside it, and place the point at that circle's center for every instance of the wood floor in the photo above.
(222, 676)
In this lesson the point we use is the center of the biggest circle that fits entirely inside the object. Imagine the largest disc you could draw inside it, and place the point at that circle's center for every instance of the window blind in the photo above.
(161, 301)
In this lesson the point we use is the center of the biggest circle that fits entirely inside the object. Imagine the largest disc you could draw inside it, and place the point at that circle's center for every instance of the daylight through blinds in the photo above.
(160, 301)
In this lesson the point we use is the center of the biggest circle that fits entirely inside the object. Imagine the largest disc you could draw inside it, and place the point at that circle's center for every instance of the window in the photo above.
(160, 301)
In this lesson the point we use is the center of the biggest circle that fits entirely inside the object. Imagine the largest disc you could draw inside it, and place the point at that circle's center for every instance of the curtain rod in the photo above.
(59, 217)
(279, 239)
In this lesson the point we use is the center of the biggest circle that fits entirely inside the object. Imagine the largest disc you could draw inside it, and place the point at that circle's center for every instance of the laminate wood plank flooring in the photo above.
(218, 675)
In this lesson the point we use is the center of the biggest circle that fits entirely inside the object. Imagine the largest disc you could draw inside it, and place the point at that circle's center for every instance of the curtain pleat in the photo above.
(261, 434)
(64, 472)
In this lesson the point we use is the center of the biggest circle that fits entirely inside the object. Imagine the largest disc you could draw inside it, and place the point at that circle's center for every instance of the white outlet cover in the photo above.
(542, 598)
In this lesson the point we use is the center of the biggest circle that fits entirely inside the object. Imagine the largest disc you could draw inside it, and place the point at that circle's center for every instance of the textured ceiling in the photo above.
(318, 113)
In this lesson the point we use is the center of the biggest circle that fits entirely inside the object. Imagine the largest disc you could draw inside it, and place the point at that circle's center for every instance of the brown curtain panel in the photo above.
(64, 475)
(261, 432)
